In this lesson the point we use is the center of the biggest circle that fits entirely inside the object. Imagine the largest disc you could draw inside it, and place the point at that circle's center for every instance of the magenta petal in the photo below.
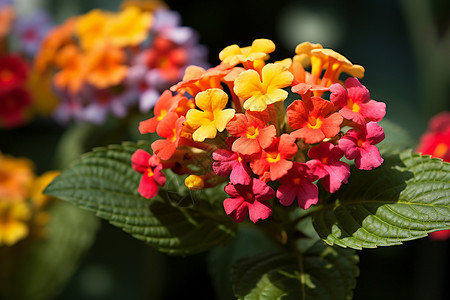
(356, 91)
(259, 211)
(147, 187)
(370, 158)
(373, 110)
(375, 133)
(159, 176)
(231, 190)
(308, 194)
(348, 145)
(339, 173)
(236, 208)
(261, 190)
(286, 194)
(139, 160)
(240, 174)
(338, 95)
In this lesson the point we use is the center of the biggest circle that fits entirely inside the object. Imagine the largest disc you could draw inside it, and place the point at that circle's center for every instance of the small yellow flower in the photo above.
(92, 28)
(213, 118)
(194, 182)
(233, 55)
(13, 222)
(259, 91)
(37, 197)
(130, 27)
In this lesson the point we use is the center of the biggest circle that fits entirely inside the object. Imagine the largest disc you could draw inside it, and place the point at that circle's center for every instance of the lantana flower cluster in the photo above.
(23, 207)
(105, 62)
(233, 123)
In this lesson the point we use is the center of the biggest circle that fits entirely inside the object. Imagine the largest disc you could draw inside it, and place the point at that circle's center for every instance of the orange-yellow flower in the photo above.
(92, 28)
(260, 48)
(13, 222)
(259, 91)
(106, 66)
(213, 118)
(16, 177)
(130, 27)
(73, 69)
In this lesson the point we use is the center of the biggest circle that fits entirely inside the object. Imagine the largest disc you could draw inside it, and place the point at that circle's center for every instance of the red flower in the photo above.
(150, 166)
(298, 183)
(355, 102)
(228, 163)
(248, 199)
(13, 107)
(166, 103)
(313, 125)
(13, 73)
(360, 146)
(275, 157)
(441, 235)
(436, 141)
(252, 132)
(327, 165)
(170, 129)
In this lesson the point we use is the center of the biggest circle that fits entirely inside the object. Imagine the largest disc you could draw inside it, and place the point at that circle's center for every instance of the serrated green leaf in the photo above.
(40, 269)
(322, 272)
(404, 199)
(103, 181)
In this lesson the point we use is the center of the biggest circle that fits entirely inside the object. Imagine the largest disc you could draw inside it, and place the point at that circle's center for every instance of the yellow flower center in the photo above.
(360, 143)
(149, 172)
(161, 115)
(273, 157)
(314, 122)
(353, 106)
(252, 132)
(440, 150)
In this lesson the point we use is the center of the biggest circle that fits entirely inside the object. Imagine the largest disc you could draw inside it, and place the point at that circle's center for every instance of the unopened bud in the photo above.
(194, 182)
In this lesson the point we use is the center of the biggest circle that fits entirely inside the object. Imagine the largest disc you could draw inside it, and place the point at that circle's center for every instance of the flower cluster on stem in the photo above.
(230, 123)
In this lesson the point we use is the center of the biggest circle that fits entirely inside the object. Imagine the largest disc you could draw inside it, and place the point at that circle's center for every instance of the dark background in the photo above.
(401, 48)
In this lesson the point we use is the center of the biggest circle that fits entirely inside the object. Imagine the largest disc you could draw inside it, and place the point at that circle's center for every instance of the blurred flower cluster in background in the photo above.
(80, 74)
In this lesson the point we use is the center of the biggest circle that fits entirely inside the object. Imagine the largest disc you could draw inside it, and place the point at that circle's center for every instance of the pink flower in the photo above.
(228, 163)
(441, 235)
(150, 167)
(298, 183)
(360, 146)
(248, 199)
(355, 102)
(327, 165)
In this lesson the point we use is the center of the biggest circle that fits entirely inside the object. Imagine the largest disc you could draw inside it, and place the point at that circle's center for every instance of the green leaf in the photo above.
(404, 199)
(322, 272)
(103, 181)
(38, 270)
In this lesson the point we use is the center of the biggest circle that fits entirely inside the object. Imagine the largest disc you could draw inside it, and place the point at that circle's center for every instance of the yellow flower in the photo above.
(106, 66)
(233, 55)
(16, 178)
(259, 91)
(92, 28)
(37, 197)
(194, 182)
(130, 27)
(213, 118)
(13, 222)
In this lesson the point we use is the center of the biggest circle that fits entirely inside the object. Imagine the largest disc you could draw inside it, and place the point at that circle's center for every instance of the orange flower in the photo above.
(7, 15)
(106, 66)
(16, 177)
(73, 69)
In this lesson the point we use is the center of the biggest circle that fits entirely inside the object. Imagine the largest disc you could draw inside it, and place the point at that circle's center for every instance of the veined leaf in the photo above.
(103, 181)
(402, 200)
(322, 272)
